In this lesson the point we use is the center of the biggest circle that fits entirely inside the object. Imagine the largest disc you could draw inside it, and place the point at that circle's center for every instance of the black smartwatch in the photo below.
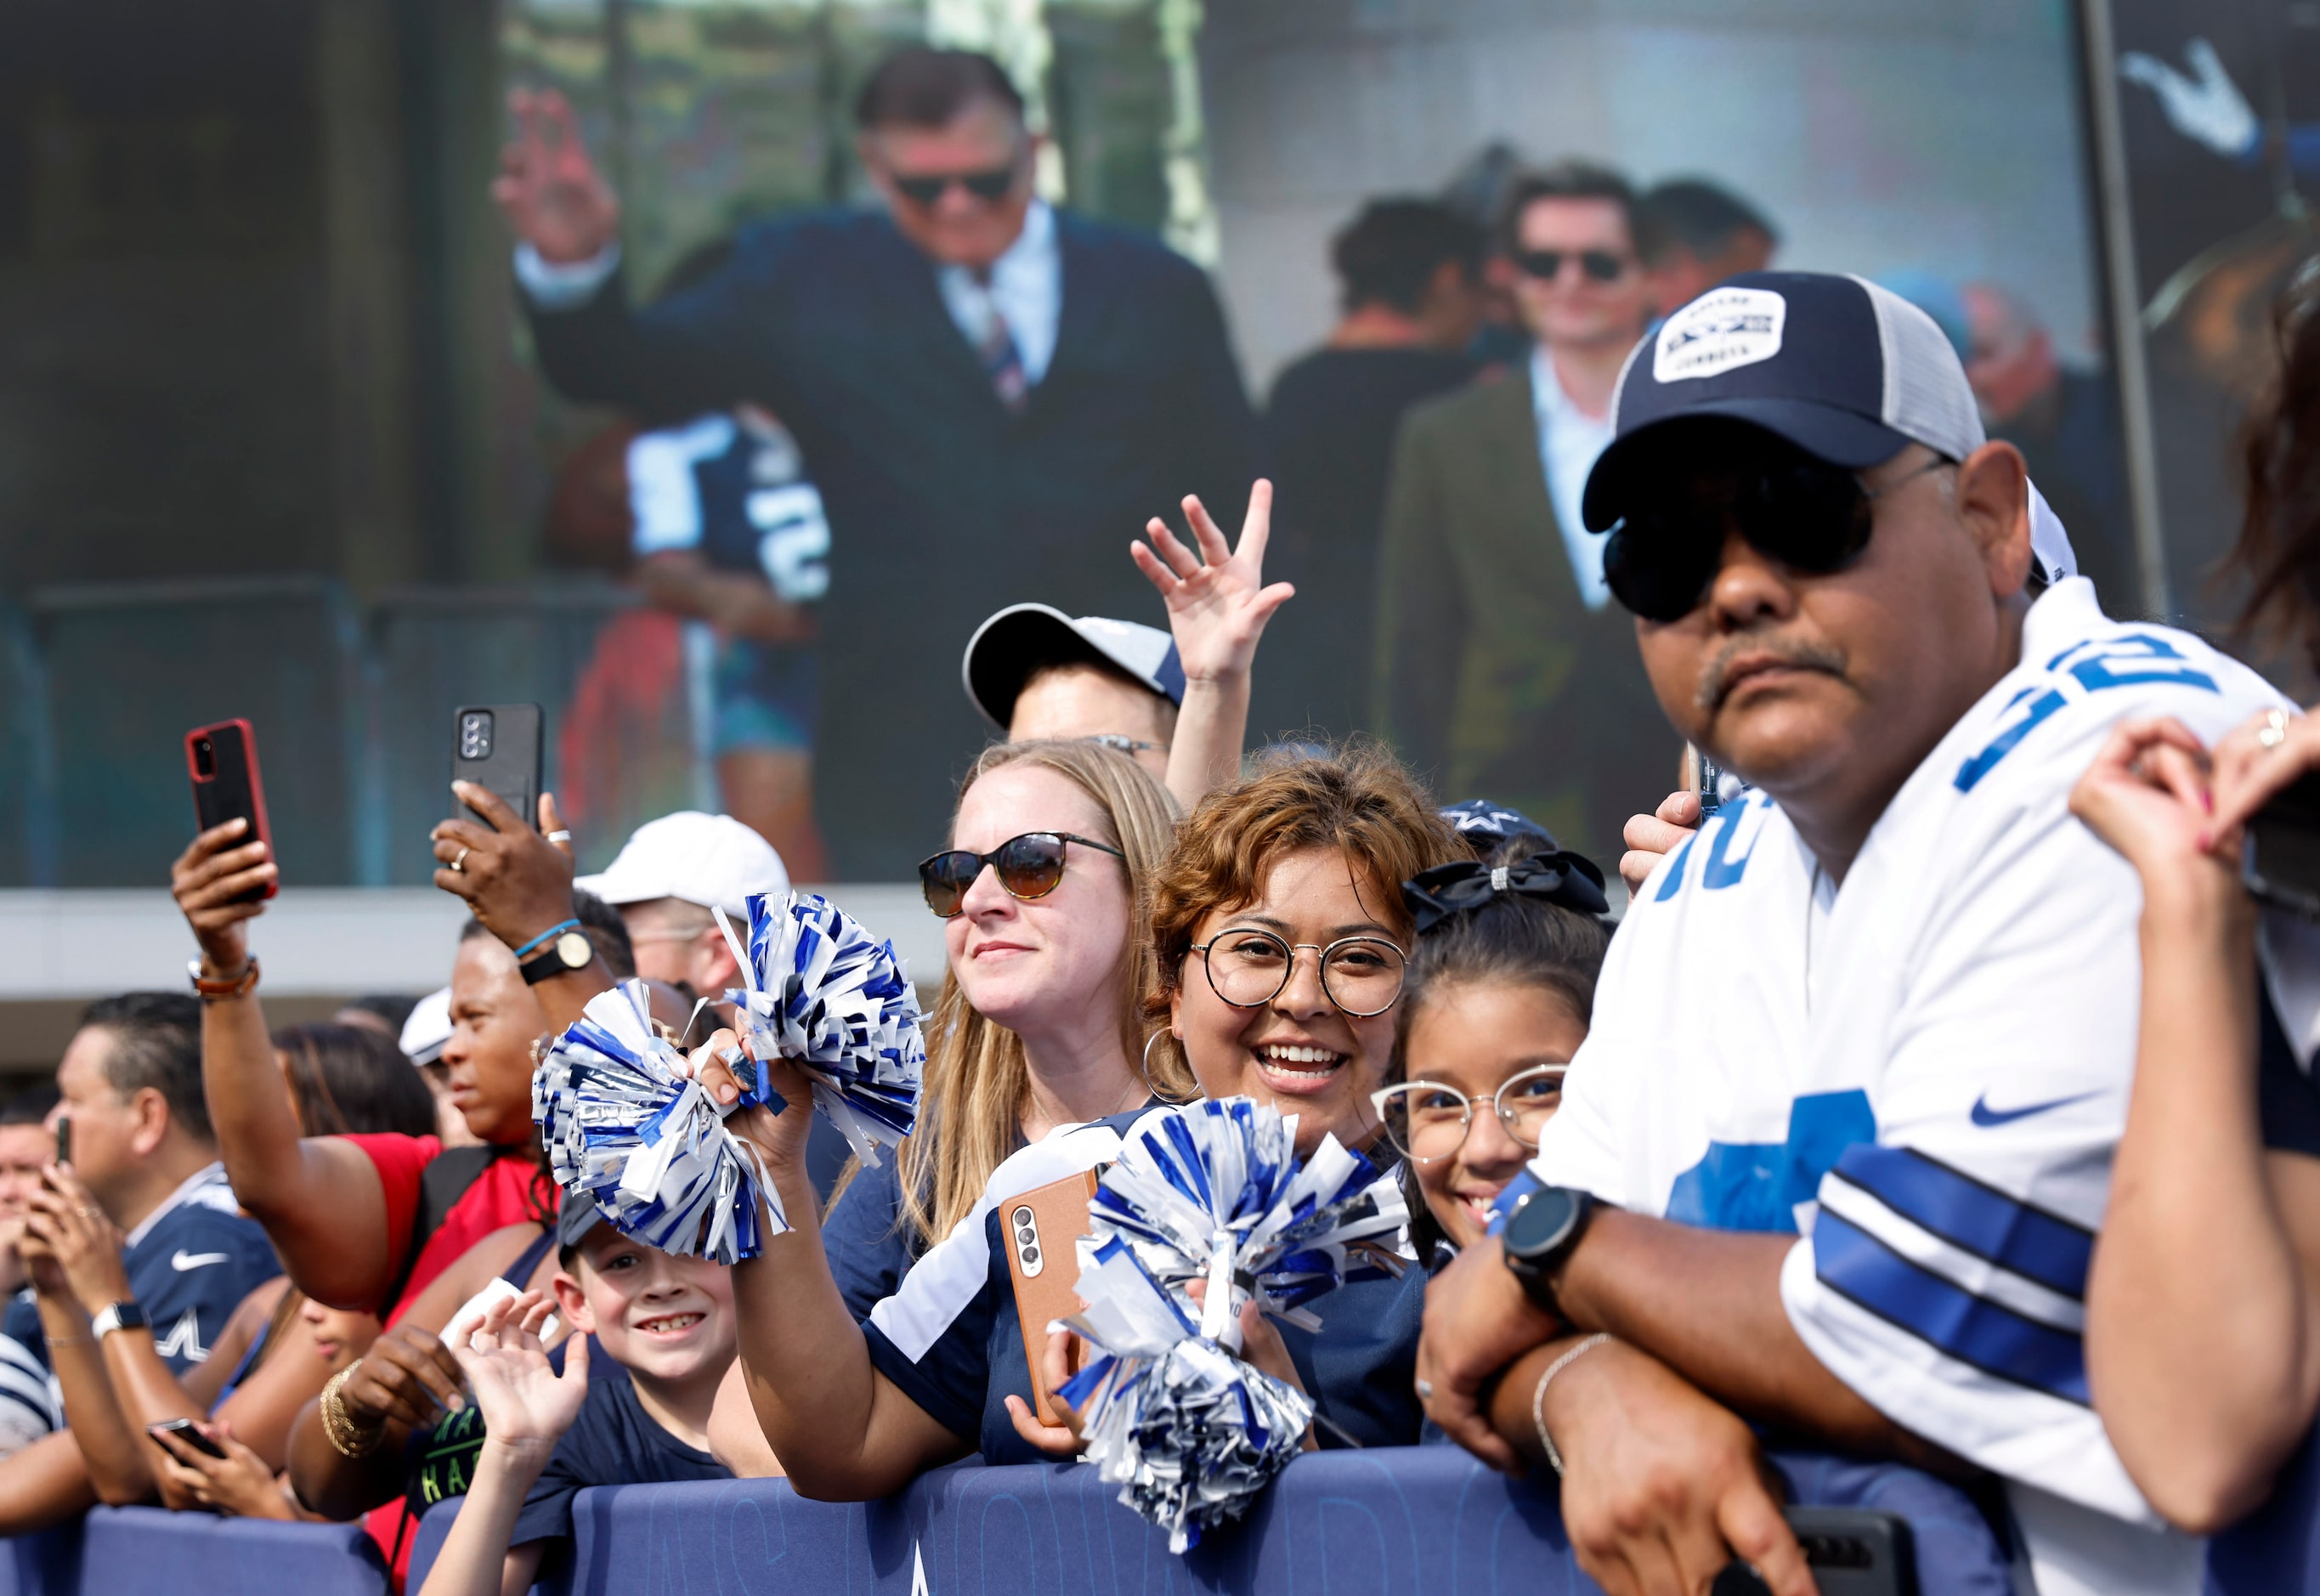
(568, 953)
(1540, 1234)
(117, 1315)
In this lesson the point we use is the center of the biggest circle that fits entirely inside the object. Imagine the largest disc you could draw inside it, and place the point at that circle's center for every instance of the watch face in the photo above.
(1542, 1221)
(574, 949)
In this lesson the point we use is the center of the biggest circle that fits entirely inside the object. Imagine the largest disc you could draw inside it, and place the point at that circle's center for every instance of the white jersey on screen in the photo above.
(1923, 1074)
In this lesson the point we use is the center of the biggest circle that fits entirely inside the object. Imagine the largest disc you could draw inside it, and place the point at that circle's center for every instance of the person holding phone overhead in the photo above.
(2202, 1307)
(373, 1221)
(987, 390)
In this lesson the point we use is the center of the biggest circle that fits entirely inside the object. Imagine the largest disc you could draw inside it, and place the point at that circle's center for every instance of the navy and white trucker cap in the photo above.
(1008, 649)
(1845, 370)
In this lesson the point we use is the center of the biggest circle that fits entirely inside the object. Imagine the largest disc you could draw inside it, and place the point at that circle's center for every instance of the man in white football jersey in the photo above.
(1833, 1154)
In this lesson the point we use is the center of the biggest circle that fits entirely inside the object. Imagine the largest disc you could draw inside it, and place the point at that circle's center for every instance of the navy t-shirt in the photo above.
(193, 1262)
(612, 1442)
(869, 1245)
(951, 1341)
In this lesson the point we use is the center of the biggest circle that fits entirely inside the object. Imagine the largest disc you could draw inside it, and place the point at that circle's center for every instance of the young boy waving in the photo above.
(665, 1324)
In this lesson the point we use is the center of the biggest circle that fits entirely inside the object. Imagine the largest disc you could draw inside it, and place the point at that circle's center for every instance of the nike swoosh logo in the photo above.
(182, 1260)
(1987, 1117)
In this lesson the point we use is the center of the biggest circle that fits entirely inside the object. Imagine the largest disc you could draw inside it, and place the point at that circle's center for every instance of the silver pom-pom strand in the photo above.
(1212, 1191)
(832, 1000)
(625, 1126)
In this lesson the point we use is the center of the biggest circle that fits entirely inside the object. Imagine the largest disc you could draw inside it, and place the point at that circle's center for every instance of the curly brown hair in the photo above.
(2279, 537)
(1359, 799)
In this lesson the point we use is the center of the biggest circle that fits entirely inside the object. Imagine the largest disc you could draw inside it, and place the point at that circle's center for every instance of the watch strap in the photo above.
(124, 1315)
(232, 987)
(570, 951)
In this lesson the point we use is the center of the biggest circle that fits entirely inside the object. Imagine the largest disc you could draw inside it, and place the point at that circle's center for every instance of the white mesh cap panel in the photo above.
(1927, 395)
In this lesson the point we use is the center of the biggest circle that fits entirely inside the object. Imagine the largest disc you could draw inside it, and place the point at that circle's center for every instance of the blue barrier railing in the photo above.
(131, 1551)
(1336, 1524)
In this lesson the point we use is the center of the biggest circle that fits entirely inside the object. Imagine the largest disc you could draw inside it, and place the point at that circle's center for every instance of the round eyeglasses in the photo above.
(1427, 1121)
(1248, 969)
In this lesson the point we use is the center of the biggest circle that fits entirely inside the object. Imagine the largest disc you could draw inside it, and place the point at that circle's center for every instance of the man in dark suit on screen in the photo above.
(1502, 666)
(993, 396)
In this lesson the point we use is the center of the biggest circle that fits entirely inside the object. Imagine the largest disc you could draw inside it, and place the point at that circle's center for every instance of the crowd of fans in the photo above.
(1943, 1096)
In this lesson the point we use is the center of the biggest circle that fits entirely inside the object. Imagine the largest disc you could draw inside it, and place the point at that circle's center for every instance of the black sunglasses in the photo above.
(1028, 867)
(1546, 265)
(988, 186)
(1811, 516)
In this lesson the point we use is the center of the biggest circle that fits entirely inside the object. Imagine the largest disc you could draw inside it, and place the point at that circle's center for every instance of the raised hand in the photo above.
(2204, 105)
(2147, 796)
(1651, 838)
(1218, 603)
(547, 188)
(215, 869)
(516, 880)
(526, 1405)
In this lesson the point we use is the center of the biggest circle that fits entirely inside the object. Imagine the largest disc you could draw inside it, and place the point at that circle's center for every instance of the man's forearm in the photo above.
(1708, 1304)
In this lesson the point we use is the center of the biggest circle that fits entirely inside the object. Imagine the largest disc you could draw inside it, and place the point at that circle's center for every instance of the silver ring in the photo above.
(2275, 729)
(560, 837)
(1426, 1391)
(459, 864)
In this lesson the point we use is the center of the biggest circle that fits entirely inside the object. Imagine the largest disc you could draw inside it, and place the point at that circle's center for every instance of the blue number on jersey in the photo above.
(1721, 870)
(2134, 660)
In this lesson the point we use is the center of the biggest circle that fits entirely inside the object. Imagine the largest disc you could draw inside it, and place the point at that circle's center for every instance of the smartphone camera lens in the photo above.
(1030, 1256)
(475, 735)
(204, 758)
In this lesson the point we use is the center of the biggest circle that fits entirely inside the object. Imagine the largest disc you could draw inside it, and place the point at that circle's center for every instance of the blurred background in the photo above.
(273, 443)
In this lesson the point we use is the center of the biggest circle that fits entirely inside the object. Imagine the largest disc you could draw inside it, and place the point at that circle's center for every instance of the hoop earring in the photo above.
(1145, 1070)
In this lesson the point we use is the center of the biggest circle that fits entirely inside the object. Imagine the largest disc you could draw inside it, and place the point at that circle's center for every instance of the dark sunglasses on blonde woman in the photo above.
(1027, 866)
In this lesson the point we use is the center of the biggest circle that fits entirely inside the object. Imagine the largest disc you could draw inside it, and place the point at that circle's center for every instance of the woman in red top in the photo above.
(358, 1220)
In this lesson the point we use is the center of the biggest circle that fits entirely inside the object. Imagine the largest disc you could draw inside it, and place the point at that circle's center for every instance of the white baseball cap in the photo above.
(709, 860)
(1008, 649)
(427, 1027)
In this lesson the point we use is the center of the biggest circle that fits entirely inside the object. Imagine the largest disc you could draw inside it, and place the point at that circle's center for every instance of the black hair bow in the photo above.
(1569, 880)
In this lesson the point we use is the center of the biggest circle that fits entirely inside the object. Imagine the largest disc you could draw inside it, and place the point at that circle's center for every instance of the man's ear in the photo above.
(573, 1303)
(713, 969)
(150, 1112)
(1993, 500)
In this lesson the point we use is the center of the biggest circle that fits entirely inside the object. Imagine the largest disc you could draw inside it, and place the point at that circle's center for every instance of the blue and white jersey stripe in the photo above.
(1921, 1073)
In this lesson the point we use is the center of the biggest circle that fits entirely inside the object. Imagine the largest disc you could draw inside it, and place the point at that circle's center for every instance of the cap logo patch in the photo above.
(1722, 329)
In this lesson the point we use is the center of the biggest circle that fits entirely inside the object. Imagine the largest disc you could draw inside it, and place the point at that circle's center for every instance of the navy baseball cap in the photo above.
(1847, 371)
(1016, 644)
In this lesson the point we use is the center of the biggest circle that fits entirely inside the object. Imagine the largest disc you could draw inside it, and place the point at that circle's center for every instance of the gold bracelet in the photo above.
(347, 1439)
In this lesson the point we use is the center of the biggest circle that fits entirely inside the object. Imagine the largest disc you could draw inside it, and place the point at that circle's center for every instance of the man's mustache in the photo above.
(1715, 682)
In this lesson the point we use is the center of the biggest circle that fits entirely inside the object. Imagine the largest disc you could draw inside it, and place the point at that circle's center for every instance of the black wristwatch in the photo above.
(1541, 1232)
(569, 952)
(117, 1315)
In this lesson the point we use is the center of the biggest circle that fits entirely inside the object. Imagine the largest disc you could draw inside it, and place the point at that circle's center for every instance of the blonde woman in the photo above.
(1039, 1024)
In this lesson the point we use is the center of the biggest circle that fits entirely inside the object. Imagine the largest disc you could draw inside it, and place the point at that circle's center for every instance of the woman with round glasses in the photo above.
(1310, 854)
(1040, 1021)
(1499, 995)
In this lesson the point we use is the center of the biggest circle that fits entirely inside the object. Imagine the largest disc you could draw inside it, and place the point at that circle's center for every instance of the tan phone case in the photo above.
(1043, 1228)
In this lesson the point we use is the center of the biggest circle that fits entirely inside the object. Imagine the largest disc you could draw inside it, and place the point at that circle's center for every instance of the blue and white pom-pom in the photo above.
(825, 995)
(625, 1126)
(1212, 1191)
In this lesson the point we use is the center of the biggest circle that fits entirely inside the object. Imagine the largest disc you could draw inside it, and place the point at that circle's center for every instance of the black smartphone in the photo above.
(498, 746)
(222, 761)
(183, 1428)
(2280, 859)
(1851, 1551)
(64, 1138)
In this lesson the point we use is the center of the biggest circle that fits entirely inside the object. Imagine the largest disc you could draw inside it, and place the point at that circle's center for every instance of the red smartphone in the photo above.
(222, 761)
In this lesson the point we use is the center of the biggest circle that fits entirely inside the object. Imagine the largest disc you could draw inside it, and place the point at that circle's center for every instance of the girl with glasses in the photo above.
(1500, 988)
(1310, 854)
(1039, 1023)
